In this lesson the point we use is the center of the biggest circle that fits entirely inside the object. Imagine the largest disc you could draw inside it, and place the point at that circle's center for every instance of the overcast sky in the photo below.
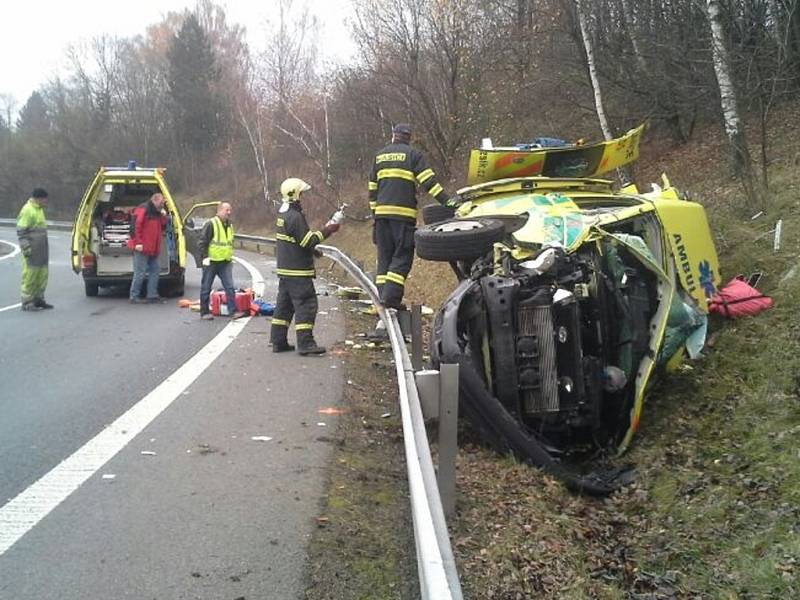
(34, 35)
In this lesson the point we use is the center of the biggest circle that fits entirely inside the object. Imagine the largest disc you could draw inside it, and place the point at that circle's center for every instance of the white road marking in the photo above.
(23, 512)
(14, 252)
(255, 276)
(12, 307)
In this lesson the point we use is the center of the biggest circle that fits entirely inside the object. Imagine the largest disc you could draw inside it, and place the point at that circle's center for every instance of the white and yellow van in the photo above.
(102, 228)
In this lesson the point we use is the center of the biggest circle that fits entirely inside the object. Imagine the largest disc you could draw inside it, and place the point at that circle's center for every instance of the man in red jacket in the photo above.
(150, 219)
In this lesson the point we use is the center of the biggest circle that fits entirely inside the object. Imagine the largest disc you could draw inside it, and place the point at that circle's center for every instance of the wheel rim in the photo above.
(451, 226)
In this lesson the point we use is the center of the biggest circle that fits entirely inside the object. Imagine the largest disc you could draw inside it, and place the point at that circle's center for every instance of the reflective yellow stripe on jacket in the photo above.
(396, 173)
(385, 210)
(425, 175)
(307, 238)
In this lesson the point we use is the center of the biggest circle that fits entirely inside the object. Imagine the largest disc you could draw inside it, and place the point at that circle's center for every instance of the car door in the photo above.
(193, 222)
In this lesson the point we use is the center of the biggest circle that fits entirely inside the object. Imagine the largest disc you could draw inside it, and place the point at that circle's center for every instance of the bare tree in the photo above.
(590, 63)
(742, 163)
(251, 112)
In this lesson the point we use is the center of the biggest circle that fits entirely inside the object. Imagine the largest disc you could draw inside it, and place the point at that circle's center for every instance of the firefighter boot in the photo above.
(278, 339)
(306, 344)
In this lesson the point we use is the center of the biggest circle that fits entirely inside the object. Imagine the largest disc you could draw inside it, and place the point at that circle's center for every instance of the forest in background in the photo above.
(190, 95)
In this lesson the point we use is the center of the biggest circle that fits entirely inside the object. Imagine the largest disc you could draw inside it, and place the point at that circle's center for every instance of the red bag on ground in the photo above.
(219, 302)
(739, 299)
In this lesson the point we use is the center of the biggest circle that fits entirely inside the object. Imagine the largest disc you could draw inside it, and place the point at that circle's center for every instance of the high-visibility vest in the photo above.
(221, 246)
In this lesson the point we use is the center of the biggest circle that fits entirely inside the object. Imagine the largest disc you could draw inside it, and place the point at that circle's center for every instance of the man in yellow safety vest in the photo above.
(216, 248)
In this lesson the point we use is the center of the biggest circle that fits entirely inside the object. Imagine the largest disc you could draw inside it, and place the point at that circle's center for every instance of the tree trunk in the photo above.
(742, 163)
(793, 34)
(598, 96)
(633, 32)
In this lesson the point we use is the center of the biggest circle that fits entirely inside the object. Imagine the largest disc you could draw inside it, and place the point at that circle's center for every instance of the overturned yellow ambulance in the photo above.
(571, 294)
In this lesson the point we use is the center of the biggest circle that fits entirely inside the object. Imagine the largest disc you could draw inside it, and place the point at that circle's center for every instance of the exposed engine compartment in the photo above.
(558, 340)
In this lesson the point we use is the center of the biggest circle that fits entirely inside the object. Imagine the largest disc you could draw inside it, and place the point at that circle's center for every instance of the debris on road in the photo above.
(350, 293)
(331, 410)
(260, 438)
(147, 453)
(109, 476)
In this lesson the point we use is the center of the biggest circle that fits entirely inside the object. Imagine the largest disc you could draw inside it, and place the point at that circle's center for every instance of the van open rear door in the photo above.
(81, 227)
(193, 222)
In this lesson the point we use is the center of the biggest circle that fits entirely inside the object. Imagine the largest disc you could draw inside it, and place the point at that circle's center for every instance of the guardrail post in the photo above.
(448, 436)
(428, 390)
(416, 336)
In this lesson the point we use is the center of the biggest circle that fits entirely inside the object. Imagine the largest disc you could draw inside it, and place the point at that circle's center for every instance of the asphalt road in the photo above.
(208, 512)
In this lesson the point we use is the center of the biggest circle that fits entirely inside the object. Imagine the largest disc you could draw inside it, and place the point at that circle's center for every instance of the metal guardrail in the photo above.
(438, 577)
(435, 563)
(60, 225)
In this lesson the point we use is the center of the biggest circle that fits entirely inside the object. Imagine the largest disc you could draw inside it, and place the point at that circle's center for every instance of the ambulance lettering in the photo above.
(683, 263)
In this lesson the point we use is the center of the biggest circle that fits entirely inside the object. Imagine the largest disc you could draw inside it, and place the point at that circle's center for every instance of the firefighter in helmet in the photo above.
(297, 298)
(396, 172)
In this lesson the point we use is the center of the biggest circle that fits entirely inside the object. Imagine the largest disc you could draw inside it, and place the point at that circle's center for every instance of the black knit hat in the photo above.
(39, 193)
(402, 130)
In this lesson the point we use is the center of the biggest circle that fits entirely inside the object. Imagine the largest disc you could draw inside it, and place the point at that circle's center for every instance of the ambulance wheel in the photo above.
(91, 288)
(179, 285)
(458, 239)
(171, 289)
(435, 213)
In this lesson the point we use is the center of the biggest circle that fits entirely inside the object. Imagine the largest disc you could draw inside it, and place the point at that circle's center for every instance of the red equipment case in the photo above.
(219, 302)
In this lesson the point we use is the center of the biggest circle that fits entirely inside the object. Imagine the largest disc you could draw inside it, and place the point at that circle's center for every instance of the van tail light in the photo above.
(87, 261)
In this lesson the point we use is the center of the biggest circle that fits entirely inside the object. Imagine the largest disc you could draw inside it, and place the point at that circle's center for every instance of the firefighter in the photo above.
(396, 172)
(32, 234)
(297, 297)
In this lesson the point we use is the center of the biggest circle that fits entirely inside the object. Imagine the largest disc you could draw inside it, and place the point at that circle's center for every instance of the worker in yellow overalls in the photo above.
(32, 234)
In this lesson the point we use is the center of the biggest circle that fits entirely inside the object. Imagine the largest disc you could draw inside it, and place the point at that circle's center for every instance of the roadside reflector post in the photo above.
(416, 336)
(776, 244)
(448, 436)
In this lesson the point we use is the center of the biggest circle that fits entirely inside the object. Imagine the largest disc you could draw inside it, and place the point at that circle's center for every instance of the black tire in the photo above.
(172, 289)
(92, 289)
(435, 213)
(458, 239)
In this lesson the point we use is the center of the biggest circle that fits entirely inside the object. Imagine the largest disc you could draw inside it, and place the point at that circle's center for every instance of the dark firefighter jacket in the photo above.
(295, 243)
(396, 172)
